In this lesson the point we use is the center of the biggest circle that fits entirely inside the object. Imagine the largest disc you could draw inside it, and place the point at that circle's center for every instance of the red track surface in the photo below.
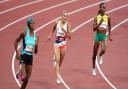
(76, 68)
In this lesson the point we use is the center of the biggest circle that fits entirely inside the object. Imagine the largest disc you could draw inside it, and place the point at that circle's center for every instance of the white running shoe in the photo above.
(93, 71)
(100, 60)
(58, 81)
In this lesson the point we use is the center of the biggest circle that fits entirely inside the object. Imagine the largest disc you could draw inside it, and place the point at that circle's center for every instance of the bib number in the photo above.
(103, 25)
(29, 48)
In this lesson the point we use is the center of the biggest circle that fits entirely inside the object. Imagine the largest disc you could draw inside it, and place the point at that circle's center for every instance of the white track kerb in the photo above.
(40, 11)
(13, 59)
(17, 7)
(4, 1)
(73, 31)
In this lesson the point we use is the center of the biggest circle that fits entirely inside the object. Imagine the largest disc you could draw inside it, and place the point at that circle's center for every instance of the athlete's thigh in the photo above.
(103, 44)
(57, 53)
(96, 45)
(62, 52)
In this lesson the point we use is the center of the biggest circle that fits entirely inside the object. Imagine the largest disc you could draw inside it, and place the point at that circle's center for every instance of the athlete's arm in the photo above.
(95, 25)
(109, 28)
(69, 30)
(18, 39)
(52, 31)
(36, 46)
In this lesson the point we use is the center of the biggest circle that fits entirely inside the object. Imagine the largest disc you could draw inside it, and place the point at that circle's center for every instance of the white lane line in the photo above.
(13, 69)
(92, 5)
(120, 7)
(102, 74)
(97, 60)
(119, 24)
(61, 4)
(4, 1)
(23, 5)
(64, 82)
(13, 59)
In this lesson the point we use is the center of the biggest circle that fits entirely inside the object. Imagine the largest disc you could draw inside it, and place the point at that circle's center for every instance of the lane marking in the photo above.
(23, 5)
(4, 1)
(54, 6)
(64, 82)
(120, 7)
(13, 70)
(102, 74)
(119, 24)
(46, 25)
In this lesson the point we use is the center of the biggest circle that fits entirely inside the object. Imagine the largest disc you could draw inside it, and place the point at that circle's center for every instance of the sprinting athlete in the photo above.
(30, 46)
(101, 26)
(62, 26)
(20, 74)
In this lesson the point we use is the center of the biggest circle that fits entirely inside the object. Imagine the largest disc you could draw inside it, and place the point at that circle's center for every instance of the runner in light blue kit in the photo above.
(30, 46)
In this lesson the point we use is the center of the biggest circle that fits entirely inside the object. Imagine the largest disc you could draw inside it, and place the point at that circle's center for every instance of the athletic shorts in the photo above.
(60, 42)
(26, 59)
(100, 36)
(60, 45)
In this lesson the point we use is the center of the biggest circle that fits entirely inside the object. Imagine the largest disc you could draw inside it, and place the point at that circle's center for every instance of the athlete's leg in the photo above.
(57, 61)
(103, 50)
(95, 51)
(28, 74)
(62, 54)
(21, 72)
(103, 47)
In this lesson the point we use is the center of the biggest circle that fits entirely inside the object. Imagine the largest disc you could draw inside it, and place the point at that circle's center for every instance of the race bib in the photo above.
(61, 33)
(29, 48)
(104, 25)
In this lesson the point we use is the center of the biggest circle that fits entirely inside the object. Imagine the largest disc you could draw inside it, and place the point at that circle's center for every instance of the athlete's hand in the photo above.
(110, 38)
(101, 20)
(17, 56)
(69, 36)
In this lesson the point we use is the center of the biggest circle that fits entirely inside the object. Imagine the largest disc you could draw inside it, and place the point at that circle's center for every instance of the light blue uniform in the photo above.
(29, 43)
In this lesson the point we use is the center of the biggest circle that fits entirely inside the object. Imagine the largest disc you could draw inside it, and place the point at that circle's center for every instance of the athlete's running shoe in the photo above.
(20, 77)
(58, 81)
(93, 71)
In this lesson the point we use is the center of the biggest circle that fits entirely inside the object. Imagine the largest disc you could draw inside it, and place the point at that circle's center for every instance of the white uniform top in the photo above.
(59, 28)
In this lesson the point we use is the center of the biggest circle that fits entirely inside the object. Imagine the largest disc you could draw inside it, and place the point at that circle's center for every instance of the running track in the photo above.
(76, 68)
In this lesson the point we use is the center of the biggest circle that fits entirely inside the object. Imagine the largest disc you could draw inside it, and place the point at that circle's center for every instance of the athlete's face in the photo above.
(103, 9)
(32, 25)
(64, 17)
